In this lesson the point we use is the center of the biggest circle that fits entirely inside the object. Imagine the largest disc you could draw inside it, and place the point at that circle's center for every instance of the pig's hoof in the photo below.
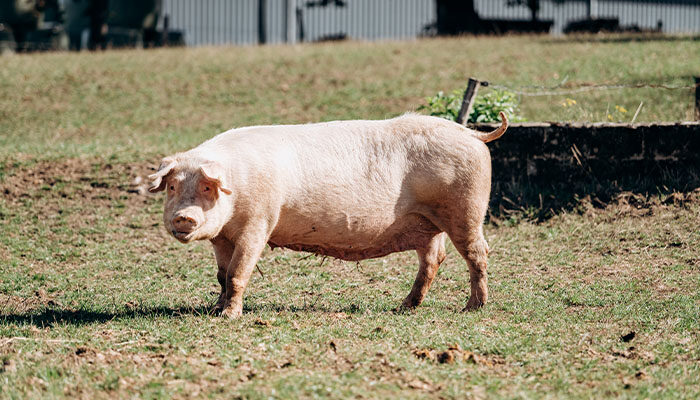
(219, 305)
(410, 303)
(231, 312)
(473, 304)
(216, 308)
(403, 309)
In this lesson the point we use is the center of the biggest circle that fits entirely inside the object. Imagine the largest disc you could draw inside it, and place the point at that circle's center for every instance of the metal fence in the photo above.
(245, 22)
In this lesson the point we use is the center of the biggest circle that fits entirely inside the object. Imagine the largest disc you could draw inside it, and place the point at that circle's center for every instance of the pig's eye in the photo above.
(172, 187)
(206, 188)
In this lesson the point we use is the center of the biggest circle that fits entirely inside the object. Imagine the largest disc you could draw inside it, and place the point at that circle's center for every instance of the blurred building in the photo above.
(147, 23)
(212, 22)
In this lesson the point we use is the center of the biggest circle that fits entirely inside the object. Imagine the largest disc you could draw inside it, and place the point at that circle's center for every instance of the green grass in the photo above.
(131, 103)
(97, 301)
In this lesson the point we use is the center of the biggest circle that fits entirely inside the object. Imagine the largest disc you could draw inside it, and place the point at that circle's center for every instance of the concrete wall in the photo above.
(555, 163)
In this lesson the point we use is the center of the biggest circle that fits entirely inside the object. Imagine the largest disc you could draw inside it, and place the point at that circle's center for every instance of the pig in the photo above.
(352, 190)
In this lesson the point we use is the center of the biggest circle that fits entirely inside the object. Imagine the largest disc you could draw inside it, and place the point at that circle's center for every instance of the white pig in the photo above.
(347, 189)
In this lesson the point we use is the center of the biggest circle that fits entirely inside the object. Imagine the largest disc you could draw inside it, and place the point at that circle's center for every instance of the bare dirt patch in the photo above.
(455, 354)
(25, 304)
(84, 180)
(639, 205)
(79, 199)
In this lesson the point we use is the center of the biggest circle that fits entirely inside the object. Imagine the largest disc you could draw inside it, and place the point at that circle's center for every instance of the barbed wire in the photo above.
(552, 90)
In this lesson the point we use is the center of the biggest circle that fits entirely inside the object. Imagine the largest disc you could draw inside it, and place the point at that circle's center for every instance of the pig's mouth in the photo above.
(183, 236)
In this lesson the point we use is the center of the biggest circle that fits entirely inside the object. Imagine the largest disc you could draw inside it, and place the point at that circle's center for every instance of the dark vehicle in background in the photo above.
(31, 25)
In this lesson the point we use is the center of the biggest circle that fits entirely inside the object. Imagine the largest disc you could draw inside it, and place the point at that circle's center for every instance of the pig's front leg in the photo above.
(223, 251)
(248, 247)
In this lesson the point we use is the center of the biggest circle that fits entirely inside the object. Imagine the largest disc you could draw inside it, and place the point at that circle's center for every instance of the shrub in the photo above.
(485, 109)
(443, 106)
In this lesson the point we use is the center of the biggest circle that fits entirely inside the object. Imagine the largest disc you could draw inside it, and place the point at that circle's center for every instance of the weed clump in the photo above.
(486, 107)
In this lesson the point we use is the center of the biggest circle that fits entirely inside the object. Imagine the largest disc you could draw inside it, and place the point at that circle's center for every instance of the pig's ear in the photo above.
(157, 181)
(214, 172)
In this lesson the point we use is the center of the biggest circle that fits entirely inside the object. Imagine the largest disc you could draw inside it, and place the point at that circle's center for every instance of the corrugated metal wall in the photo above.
(212, 22)
(215, 22)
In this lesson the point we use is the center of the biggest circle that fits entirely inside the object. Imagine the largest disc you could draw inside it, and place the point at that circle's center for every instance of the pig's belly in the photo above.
(354, 238)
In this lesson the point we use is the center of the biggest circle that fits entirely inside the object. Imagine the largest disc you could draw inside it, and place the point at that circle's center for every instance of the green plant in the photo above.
(443, 106)
(485, 109)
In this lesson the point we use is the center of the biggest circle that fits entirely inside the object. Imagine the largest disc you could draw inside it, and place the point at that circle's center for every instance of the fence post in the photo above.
(166, 27)
(291, 21)
(468, 101)
(262, 28)
(300, 24)
(697, 98)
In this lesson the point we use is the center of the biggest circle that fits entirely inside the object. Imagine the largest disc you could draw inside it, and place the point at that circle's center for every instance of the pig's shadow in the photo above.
(51, 316)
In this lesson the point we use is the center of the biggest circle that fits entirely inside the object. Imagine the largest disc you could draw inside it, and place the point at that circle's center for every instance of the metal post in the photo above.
(291, 21)
(697, 98)
(468, 101)
(300, 23)
(262, 28)
(166, 26)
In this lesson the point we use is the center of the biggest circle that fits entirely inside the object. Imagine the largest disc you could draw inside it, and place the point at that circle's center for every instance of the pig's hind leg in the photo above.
(430, 257)
(223, 251)
(468, 238)
(463, 223)
(475, 251)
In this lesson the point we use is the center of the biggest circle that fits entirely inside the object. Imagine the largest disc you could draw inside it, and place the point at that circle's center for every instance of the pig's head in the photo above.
(197, 206)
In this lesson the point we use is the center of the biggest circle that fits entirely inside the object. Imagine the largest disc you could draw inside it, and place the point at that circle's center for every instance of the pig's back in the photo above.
(349, 152)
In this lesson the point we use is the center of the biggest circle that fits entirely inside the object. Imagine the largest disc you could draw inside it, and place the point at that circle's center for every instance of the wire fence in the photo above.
(504, 100)
(535, 90)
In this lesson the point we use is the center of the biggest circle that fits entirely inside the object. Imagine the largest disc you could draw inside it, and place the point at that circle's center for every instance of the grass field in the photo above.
(133, 104)
(97, 301)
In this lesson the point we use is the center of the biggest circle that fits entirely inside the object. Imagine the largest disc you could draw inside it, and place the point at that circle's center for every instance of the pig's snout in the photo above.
(183, 225)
